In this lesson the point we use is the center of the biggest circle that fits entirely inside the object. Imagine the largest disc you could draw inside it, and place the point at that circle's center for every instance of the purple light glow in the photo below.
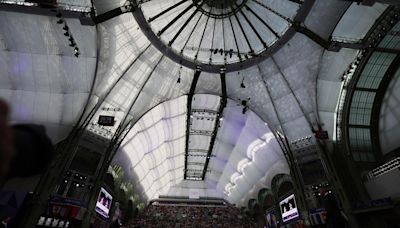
(22, 112)
(21, 66)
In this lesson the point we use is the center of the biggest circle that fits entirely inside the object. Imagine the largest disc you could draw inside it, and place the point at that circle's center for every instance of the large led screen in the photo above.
(104, 203)
(288, 208)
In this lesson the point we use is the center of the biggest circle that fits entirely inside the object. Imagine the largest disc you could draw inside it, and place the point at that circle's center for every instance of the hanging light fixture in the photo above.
(179, 75)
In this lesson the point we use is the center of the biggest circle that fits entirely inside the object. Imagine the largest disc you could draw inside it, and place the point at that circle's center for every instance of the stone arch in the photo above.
(281, 184)
(266, 198)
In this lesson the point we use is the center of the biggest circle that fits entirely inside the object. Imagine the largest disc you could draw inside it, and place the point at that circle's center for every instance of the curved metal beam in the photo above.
(211, 68)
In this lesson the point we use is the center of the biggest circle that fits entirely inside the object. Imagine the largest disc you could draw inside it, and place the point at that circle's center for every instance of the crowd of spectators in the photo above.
(191, 216)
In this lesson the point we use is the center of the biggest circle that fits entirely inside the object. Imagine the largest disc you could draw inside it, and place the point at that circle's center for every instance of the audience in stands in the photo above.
(191, 216)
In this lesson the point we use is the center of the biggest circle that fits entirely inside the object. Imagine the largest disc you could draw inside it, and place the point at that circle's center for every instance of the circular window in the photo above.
(220, 32)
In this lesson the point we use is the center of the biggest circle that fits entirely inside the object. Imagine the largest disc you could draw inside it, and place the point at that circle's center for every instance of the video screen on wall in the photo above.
(288, 208)
(103, 204)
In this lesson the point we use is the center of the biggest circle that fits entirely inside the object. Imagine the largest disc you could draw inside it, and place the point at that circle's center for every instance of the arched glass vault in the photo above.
(137, 62)
(213, 34)
(245, 151)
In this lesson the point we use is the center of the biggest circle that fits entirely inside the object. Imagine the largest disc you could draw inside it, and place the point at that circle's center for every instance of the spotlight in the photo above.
(60, 21)
(65, 28)
(242, 85)
(66, 34)
(76, 50)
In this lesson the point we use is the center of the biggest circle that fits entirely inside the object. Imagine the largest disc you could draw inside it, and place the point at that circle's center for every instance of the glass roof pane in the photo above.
(219, 32)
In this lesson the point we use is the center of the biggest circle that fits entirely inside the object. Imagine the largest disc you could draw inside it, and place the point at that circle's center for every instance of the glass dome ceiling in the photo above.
(122, 63)
(220, 32)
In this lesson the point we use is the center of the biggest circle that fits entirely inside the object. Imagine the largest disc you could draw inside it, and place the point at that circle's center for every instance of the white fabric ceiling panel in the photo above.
(251, 36)
(202, 123)
(154, 93)
(218, 41)
(45, 35)
(222, 150)
(264, 32)
(334, 64)
(218, 165)
(189, 45)
(287, 8)
(242, 45)
(199, 142)
(129, 87)
(307, 98)
(207, 42)
(205, 101)
(357, 21)
(247, 137)
(155, 147)
(242, 185)
(288, 108)
(180, 41)
(102, 6)
(153, 7)
(277, 86)
(324, 16)
(278, 24)
(121, 45)
(76, 3)
(40, 78)
(300, 50)
(53, 74)
(297, 128)
(209, 84)
(230, 130)
(253, 154)
(258, 128)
